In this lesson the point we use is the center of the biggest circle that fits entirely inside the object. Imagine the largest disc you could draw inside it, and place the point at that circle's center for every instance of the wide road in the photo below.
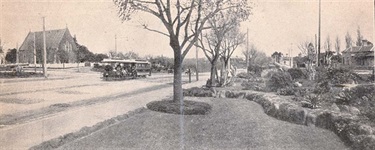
(36, 110)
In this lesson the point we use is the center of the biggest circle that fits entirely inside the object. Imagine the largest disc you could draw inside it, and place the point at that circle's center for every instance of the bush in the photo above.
(362, 97)
(256, 69)
(297, 73)
(286, 91)
(337, 75)
(278, 80)
(245, 75)
(255, 86)
(189, 107)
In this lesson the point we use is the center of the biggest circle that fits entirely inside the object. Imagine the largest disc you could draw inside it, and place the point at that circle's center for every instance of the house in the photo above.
(58, 42)
(286, 61)
(359, 56)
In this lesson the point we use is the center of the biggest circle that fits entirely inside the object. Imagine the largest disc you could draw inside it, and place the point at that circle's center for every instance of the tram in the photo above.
(125, 69)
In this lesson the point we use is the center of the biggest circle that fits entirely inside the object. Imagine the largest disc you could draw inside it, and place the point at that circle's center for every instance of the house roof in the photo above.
(53, 39)
(354, 49)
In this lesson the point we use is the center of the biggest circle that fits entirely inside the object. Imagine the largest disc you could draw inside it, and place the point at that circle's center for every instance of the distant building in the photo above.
(56, 40)
(359, 56)
(286, 61)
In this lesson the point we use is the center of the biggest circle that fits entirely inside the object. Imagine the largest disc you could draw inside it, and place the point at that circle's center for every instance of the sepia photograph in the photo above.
(187, 74)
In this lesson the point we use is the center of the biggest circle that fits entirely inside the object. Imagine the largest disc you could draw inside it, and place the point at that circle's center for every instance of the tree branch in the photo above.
(153, 30)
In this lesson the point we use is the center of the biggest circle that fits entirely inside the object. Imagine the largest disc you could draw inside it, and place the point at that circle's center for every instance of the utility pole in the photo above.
(196, 63)
(320, 9)
(44, 50)
(17, 54)
(34, 52)
(247, 50)
(291, 57)
(115, 43)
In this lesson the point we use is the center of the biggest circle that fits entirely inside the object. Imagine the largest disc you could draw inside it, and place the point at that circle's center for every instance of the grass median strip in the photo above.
(232, 124)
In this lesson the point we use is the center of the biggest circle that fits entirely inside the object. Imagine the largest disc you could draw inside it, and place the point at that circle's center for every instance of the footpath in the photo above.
(26, 135)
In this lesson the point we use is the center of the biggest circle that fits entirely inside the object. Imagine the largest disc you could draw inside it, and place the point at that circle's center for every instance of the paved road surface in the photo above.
(34, 132)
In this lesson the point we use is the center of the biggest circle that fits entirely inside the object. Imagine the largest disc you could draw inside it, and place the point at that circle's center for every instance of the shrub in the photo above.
(256, 69)
(255, 86)
(286, 91)
(189, 107)
(337, 75)
(361, 96)
(297, 73)
(245, 75)
(322, 87)
(278, 80)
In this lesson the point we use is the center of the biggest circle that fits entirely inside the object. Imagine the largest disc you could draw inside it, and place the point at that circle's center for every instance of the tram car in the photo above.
(125, 69)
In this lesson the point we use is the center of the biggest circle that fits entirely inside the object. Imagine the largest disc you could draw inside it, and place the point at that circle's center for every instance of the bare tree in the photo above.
(230, 43)
(359, 37)
(221, 26)
(183, 21)
(327, 44)
(337, 45)
(348, 40)
(304, 47)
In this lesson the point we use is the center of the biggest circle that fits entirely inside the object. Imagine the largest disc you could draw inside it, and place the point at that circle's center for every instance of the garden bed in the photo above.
(350, 128)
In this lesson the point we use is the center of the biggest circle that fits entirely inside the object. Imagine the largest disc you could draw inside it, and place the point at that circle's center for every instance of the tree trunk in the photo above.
(177, 74)
(212, 75)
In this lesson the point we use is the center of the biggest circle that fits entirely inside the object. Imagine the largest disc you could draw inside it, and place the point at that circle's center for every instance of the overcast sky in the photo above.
(276, 25)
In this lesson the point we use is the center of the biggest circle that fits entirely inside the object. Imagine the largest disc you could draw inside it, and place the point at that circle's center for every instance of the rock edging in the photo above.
(85, 131)
(345, 125)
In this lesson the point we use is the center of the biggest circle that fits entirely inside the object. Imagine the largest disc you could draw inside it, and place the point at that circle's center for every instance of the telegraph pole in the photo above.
(44, 50)
(291, 57)
(320, 9)
(34, 52)
(196, 63)
(115, 43)
(247, 51)
(17, 54)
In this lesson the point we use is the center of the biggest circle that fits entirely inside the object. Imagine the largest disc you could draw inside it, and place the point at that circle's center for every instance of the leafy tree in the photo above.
(63, 56)
(183, 21)
(100, 57)
(277, 56)
(257, 59)
(84, 55)
(159, 63)
(11, 55)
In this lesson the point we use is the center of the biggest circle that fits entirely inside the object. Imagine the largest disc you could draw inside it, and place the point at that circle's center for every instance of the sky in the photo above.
(275, 25)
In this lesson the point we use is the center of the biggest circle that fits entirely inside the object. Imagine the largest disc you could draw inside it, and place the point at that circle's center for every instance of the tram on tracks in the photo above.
(125, 69)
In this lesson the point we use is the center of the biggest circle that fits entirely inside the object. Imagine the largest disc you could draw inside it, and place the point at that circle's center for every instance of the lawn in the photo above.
(231, 124)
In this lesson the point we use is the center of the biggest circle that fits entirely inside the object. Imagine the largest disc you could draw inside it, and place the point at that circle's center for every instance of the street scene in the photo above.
(161, 74)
